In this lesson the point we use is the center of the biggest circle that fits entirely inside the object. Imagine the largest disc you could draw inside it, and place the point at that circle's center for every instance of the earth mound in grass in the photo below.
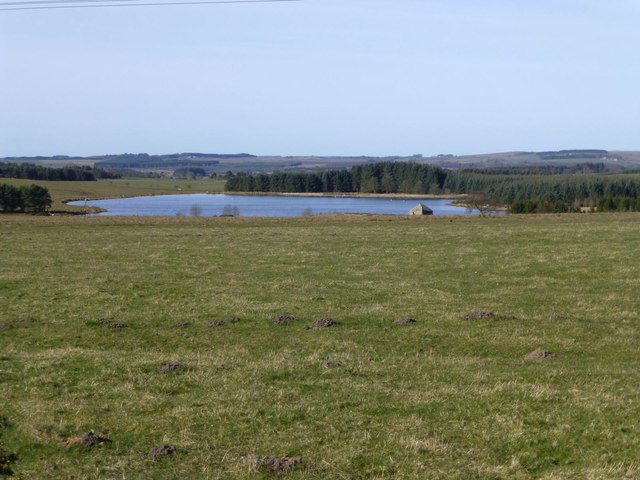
(217, 323)
(324, 322)
(330, 364)
(279, 464)
(169, 367)
(282, 319)
(479, 315)
(539, 354)
(90, 439)
(161, 451)
(404, 321)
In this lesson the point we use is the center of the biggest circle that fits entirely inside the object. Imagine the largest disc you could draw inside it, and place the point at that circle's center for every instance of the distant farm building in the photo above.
(421, 209)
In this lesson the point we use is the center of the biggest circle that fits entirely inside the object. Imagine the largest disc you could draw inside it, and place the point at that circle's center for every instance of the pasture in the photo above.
(128, 328)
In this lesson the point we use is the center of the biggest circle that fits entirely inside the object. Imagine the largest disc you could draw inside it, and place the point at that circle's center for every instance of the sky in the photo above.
(322, 77)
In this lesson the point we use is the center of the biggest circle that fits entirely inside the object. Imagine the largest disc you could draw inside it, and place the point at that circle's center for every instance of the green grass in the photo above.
(125, 187)
(443, 398)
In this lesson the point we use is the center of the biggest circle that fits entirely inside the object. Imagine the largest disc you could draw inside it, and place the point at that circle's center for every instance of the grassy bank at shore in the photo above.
(95, 310)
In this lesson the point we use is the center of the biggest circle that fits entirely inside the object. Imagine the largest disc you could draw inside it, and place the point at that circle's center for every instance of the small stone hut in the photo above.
(421, 209)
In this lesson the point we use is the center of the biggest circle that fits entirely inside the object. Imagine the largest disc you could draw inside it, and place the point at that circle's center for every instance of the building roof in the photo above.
(421, 207)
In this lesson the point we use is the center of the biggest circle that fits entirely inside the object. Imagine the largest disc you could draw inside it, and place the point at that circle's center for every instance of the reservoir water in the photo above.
(266, 205)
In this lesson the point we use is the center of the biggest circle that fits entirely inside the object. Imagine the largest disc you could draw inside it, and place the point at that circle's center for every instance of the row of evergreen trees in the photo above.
(38, 172)
(551, 192)
(28, 199)
(382, 177)
(524, 190)
(603, 204)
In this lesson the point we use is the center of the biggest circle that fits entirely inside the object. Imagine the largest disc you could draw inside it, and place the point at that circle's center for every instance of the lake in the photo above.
(266, 205)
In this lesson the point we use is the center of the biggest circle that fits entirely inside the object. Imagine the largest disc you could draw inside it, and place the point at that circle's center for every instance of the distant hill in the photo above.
(146, 161)
(220, 163)
(613, 159)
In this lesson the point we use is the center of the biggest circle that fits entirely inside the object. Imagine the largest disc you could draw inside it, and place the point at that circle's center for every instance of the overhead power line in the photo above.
(41, 2)
(106, 3)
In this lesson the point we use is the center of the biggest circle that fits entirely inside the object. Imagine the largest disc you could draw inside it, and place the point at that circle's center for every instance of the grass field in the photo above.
(444, 398)
(125, 187)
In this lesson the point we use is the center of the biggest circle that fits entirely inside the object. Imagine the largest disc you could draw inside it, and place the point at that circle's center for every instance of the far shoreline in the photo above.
(404, 196)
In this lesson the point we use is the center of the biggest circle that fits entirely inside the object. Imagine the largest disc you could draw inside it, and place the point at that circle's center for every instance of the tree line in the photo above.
(70, 173)
(381, 177)
(552, 193)
(526, 190)
(27, 199)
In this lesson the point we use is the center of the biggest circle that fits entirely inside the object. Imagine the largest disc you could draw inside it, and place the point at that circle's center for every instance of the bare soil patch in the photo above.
(103, 321)
(404, 321)
(479, 315)
(217, 323)
(161, 451)
(324, 322)
(557, 317)
(90, 439)
(116, 325)
(540, 354)
(28, 320)
(280, 464)
(330, 364)
(282, 319)
(169, 367)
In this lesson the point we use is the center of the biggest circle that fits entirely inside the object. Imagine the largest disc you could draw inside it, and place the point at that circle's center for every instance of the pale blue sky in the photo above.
(322, 77)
